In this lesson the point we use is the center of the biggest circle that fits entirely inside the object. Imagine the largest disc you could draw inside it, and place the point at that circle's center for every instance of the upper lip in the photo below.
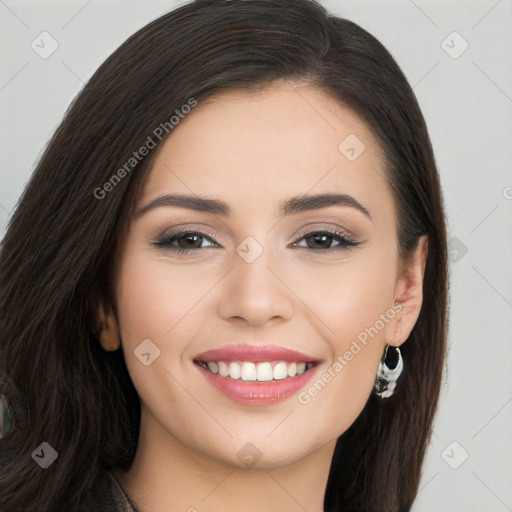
(255, 353)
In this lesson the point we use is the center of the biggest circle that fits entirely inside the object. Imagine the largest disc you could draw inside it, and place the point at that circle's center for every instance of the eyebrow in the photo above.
(290, 206)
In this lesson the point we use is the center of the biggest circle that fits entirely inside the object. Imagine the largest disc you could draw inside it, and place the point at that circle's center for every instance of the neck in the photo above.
(167, 475)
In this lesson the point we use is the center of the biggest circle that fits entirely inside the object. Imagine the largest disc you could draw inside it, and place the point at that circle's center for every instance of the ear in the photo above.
(409, 295)
(108, 332)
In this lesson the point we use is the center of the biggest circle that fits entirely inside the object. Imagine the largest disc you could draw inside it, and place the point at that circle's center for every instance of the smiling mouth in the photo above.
(262, 371)
(256, 375)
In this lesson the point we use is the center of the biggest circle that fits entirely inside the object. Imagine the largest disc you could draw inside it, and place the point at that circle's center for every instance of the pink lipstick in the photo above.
(256, 374)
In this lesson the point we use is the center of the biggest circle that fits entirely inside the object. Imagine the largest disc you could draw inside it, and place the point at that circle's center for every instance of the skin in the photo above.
(254, 150)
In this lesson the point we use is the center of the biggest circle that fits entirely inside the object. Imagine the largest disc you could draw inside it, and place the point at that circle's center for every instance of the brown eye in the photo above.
(190, 241)
(186, 241)
(322, 241)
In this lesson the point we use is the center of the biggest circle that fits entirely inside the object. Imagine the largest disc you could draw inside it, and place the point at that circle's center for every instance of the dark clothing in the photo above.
(107, 495)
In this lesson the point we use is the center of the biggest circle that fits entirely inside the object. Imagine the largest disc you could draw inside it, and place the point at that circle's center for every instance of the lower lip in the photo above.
(258, 393)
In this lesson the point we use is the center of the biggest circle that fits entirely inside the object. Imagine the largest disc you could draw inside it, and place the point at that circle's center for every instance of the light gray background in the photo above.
(467, 102)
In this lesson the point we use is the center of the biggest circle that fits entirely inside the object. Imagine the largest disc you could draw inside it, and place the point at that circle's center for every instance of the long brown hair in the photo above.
(57, 256)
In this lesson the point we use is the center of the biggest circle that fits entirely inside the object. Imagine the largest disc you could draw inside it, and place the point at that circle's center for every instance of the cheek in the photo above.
(155, 302)
(154, 296)
(161, 302)
(353, 302)
(149, 305)
(348, 296)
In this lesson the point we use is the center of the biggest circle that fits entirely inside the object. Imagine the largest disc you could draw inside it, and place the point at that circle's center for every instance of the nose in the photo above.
(256, 292)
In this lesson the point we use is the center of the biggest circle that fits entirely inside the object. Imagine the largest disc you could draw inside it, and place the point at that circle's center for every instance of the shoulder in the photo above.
(107, 495)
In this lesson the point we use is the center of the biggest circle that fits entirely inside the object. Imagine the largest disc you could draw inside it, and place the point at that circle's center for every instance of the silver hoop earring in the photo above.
(388, 372)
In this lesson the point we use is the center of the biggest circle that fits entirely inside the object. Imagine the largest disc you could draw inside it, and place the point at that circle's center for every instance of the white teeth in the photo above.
(248, 371)
(264, 371)
(223, 369)
(280, 371)
(213, 367)
(234, 370)
(261, 372)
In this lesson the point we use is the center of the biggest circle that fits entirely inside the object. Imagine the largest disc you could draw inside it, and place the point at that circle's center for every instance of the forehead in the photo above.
(251, 148)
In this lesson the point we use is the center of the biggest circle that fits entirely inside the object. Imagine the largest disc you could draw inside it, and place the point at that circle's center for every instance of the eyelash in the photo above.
(166, 241)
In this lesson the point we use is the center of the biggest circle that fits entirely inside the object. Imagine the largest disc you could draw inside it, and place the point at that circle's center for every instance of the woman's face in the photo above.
(265, 279)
